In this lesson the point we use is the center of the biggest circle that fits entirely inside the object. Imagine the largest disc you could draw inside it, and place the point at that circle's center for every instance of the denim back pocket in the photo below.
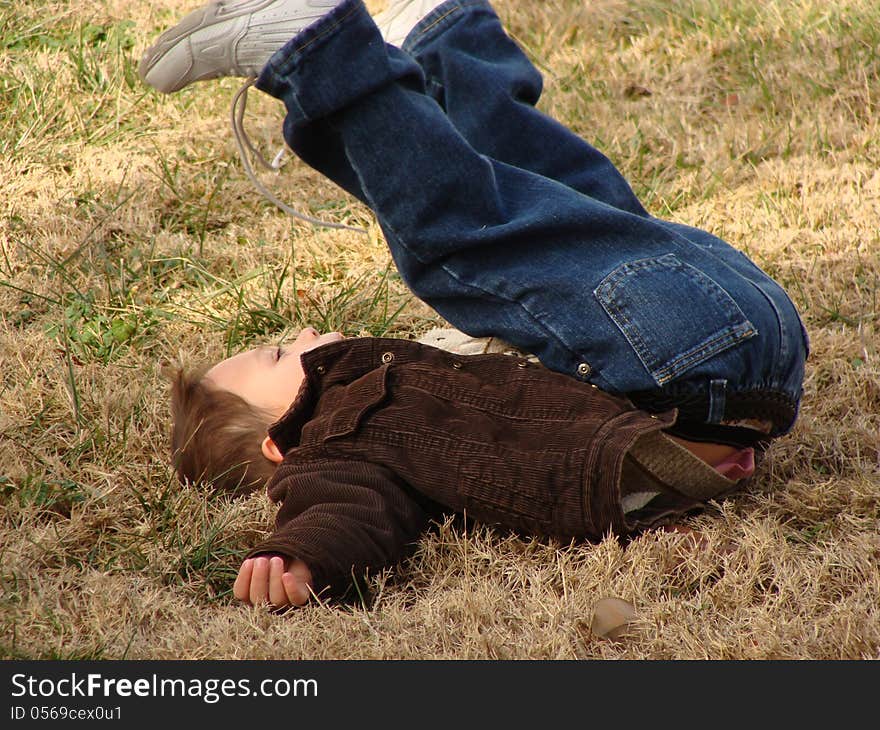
(672, 314)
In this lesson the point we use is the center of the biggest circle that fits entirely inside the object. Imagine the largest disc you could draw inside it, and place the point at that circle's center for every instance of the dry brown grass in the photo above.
(127, 213)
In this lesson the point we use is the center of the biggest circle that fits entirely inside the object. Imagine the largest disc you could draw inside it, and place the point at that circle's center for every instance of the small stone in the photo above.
(634, 91)
(612, 617)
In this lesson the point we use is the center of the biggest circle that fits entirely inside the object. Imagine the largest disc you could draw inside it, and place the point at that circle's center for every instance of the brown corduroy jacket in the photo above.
(386, 434)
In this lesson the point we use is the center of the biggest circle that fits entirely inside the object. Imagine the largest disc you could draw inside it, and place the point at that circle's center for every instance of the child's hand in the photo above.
(276, 579)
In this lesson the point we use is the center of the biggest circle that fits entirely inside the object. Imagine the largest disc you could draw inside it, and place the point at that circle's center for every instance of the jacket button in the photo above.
(321, 369)
(387, 357)
(456, 365)
(522, 364)
(584, 369)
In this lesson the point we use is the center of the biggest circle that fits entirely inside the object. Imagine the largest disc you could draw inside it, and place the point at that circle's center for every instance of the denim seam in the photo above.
(290, 59)
(421, 35)
(433, 87)
(535, 319)
(783, 340)
(687, 359)
(330, 28)
(516, 302)
(702, 351)
(699, 352)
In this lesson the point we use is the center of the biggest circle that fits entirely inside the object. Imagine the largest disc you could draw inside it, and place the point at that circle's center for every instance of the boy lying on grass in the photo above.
(370, 438)
(663, 357)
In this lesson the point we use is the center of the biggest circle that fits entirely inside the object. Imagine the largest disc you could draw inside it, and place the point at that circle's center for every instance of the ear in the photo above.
(271, 451)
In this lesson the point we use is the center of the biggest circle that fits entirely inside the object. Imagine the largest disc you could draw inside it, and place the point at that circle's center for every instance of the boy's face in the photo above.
(268, 377)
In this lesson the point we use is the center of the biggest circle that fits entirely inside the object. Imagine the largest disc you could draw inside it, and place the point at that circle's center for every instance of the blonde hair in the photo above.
(216, 437)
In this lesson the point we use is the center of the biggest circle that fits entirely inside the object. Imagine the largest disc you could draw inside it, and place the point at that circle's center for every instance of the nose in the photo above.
(309, 332)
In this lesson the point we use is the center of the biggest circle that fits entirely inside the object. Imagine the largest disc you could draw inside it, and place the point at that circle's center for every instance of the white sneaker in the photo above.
(396, 21)
(226, 38)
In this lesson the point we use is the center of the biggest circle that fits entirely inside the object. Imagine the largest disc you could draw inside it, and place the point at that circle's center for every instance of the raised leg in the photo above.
(596, 291)
(488, 88)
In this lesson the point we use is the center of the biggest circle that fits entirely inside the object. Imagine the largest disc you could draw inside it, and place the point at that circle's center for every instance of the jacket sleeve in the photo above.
(342, 518)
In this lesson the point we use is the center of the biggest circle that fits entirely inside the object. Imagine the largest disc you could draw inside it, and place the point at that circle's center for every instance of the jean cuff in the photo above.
(328, 65)
(440, 18)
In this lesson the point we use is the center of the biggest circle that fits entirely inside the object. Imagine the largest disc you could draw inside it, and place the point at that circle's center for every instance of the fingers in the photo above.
(242, 586)
(259, 590)
(302, 579)
(277, 594)
(297, 593)
(266, 578)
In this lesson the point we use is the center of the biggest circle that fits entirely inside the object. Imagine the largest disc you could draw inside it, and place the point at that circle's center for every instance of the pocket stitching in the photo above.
(665, 370)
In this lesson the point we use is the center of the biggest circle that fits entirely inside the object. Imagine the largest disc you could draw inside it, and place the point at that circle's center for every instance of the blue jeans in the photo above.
(510, 225)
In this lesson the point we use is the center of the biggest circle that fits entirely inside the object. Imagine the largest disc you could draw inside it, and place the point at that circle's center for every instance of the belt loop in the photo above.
(717, 398)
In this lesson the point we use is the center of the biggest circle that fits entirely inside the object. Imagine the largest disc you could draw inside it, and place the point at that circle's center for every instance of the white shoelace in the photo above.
(245, 146)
